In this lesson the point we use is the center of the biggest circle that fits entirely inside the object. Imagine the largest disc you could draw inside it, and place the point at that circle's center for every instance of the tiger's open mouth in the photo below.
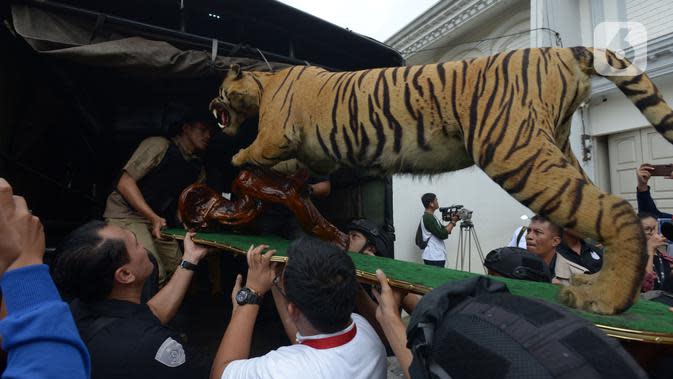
(222, 117)
(220, 113)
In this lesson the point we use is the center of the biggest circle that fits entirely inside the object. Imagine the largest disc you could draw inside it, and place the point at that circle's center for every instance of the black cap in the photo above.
(517, 263)
(374, 235)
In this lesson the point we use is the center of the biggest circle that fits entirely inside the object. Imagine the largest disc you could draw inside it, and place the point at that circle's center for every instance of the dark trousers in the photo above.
(434, 263)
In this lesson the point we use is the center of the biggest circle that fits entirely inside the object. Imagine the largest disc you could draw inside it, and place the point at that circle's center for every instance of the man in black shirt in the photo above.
(103, 267)
(575, 249)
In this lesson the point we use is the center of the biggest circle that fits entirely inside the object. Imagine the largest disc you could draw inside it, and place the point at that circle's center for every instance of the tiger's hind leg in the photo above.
(541, 177)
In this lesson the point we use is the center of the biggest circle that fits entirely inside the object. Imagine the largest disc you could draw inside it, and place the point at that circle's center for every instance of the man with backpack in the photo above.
(474, 328)
(431, 234)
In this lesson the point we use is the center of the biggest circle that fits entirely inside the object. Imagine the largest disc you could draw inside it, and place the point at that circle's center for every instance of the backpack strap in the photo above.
(422, 228)
(522, 231)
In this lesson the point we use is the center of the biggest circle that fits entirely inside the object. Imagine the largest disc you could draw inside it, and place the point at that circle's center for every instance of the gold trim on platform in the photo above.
(401, 284)
(220, 245)
(625, 334)
(637, 335)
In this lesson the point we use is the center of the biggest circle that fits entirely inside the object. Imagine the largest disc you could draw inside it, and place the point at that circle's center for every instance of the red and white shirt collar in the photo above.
(329, 341)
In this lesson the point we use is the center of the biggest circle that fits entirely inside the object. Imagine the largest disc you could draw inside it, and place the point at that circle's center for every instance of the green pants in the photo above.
(166, 252)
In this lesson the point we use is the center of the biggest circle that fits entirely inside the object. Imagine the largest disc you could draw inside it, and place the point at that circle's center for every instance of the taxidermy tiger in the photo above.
(509, 114)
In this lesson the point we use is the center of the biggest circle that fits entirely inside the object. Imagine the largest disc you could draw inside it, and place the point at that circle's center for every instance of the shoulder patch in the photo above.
(171, 353)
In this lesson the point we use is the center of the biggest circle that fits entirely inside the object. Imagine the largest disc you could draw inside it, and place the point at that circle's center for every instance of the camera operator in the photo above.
(434, 233)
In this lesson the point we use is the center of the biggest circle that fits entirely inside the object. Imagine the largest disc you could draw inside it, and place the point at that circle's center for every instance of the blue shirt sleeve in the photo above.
(39, 332)
(646, 204)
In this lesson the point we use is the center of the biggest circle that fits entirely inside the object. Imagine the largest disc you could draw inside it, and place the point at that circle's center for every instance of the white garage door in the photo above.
(629, 150)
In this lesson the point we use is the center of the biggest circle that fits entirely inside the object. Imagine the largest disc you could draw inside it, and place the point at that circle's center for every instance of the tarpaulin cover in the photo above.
(90, 41)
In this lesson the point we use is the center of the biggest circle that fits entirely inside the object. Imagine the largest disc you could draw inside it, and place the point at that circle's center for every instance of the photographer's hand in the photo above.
(454, 220)
(643, 175)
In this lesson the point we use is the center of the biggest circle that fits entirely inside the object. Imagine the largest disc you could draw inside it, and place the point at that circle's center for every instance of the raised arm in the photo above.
(237, 338)
(36, 348)
(166, 302)
(388, 315)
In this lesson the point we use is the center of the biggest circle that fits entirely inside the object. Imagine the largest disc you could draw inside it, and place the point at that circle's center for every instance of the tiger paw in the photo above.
(241, 158)
(592, 298)
(583, 279)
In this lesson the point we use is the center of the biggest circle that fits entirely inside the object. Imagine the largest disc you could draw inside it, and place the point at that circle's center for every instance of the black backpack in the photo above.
(474, 328)
(420, 242)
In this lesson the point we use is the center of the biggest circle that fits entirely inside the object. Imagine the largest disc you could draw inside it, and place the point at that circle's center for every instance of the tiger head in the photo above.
(238, 100)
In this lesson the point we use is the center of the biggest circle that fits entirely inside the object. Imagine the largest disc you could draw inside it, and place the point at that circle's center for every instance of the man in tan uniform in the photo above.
(145, 198)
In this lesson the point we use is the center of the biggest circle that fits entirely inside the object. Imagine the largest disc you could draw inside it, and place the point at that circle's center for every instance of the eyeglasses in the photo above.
(649, 229)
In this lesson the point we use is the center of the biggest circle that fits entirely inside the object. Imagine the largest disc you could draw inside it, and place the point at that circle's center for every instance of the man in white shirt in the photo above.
(434, 233)
(315, 295)
(519, 237)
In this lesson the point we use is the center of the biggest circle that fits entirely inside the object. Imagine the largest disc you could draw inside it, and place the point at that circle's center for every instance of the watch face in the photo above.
(242, 296)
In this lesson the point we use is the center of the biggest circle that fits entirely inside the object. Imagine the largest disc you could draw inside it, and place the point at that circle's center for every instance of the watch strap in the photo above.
(188, 265)
(253, 296)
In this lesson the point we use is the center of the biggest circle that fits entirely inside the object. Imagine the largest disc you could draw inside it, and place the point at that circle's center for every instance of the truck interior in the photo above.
(83, 82)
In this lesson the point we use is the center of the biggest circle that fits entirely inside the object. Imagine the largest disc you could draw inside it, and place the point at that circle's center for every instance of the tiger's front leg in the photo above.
(241, 158)
(269, 148)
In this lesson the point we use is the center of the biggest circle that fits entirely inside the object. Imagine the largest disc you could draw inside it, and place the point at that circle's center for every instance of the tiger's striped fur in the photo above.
(509, 114)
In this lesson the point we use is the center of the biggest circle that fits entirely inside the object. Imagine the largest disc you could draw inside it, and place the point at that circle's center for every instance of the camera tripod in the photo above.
(467, 236)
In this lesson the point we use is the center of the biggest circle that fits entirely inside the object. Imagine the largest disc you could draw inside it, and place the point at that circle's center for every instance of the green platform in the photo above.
(646, 321)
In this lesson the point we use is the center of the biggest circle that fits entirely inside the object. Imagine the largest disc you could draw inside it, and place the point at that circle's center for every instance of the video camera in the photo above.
(463, 213)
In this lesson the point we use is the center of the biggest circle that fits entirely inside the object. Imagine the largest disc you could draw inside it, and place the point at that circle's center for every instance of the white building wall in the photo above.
(496, 214)
(655, 15)
(614, 113)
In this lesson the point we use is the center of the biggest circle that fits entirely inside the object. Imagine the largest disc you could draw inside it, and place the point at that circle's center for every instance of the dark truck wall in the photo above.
(66, 129)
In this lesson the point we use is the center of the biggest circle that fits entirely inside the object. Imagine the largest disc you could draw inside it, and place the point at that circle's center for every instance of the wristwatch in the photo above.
(248, 296)
(188, 265)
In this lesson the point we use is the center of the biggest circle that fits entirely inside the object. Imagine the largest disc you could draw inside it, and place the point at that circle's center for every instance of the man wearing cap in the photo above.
(146, 196)
(365, 237)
